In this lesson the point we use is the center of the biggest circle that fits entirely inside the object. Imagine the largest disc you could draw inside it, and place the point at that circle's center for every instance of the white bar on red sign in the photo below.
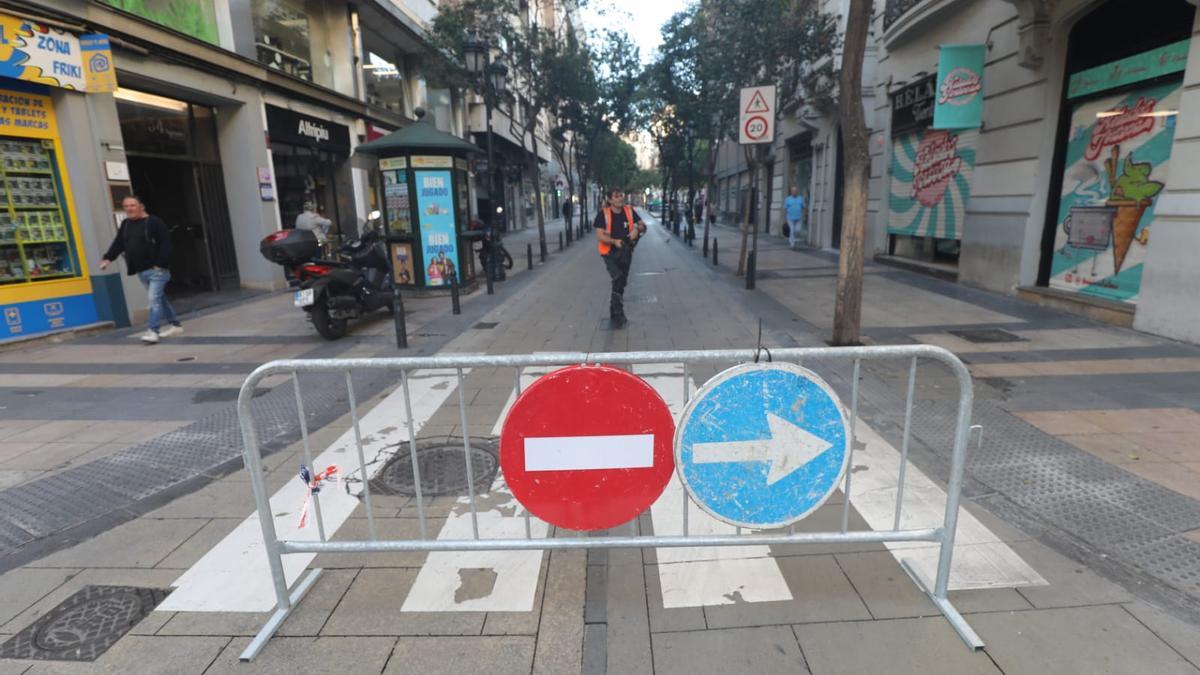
(582, 453)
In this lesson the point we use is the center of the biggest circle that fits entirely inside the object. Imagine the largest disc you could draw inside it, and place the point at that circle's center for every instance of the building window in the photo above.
(385, 82)
(281, 36)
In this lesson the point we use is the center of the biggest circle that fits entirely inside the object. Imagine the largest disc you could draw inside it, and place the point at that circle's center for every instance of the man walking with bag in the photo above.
(144, 240)
(617, 228)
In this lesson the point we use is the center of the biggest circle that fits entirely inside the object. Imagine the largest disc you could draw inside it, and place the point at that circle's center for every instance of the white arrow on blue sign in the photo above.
(762, 445)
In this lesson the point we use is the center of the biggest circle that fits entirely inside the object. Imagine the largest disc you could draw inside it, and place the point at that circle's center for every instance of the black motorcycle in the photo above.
(334, 291)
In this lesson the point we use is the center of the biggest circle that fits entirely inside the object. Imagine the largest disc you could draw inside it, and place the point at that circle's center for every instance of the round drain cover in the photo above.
(443, 469)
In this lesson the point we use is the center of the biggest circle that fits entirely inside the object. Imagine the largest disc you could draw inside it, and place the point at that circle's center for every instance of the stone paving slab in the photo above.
(313, 656)
(491, 654)
(1101, 639)
(143, 655)
(764, 651)
(820, 591)
(371, 606)
(139, 543)
(914, 646)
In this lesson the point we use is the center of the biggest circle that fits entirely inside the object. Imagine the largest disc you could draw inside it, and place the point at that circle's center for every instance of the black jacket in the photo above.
(145, 243)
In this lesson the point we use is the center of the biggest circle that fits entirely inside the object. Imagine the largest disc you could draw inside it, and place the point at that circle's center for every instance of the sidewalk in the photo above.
(820, 609)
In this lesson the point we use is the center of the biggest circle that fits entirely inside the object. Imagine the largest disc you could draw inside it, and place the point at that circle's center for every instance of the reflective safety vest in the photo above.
(603, 247)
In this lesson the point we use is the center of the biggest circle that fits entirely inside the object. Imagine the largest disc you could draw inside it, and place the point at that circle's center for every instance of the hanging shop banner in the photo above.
(1165, 60)
(931, 181)
(1116, 165)
(35, 52)
(435, 206)
(959, 102)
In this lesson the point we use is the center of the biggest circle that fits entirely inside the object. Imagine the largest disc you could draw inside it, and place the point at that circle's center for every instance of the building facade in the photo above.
(227, 119)
(1077, 188)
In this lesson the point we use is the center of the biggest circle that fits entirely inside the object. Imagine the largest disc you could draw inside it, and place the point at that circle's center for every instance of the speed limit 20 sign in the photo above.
(757, 115)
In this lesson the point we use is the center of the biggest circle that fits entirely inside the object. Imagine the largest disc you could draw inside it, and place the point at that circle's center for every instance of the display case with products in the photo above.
(35, 235)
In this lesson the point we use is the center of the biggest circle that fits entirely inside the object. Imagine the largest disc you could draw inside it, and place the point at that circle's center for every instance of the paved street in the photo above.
(1078, 549)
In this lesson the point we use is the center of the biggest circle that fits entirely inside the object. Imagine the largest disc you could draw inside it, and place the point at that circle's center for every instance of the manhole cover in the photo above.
(987, 335)
(85, 625)
(443, 469)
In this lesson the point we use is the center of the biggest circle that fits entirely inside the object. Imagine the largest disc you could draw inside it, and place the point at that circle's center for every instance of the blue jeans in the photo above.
(155, 281)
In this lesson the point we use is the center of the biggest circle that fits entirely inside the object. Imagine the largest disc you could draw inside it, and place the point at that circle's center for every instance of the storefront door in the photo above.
(174, 167)
(311, 158)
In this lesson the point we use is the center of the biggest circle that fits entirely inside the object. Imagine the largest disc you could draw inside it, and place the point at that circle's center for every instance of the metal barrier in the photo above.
(287, 599)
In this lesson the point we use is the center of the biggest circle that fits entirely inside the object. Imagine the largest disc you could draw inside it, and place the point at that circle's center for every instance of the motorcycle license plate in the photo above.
(303, 298)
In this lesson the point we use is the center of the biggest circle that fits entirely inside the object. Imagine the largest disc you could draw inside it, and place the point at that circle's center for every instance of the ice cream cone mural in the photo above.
(1118, 158)
(1132, 193)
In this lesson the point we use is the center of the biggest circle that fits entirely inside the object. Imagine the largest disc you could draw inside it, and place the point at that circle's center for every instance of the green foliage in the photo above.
(614, 162)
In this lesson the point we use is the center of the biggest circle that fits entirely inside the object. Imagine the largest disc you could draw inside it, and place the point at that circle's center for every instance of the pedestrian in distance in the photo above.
(568, 209)
(312, 220)
(144, 241)
(618, 228)
(793, 207)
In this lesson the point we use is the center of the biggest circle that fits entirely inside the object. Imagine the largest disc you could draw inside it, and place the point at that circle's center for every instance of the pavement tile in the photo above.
(770, 649)
(372, 607)
(143, 655)
(820, 592)
(355, 529)
(1143, 420)
(884, 586)
(1114, 448)
(898, 647)
(220, 499)
(487, 654)
(520, 623)
(1070, 583)
(1104, 639)
(1183, 636)
(139, 543)
(321, 655)
(190, 551)
(50, 456)
(144, 578)
(627, 636)
(1171, 475)
(22, 587)
(1177, 446)
(560, 633)
(1061, 422)
(664, 620)
(14, 478)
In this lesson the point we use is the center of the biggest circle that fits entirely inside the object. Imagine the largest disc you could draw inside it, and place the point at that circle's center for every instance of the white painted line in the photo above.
(585, 453)
(981, 558)
(717, 575)
(483, 581)
(234, 576)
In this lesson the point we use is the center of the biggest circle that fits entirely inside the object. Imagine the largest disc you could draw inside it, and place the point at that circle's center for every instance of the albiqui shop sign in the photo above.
(288, 126)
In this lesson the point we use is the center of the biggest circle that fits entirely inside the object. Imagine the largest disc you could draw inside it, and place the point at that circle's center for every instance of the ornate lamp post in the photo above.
(492, 81)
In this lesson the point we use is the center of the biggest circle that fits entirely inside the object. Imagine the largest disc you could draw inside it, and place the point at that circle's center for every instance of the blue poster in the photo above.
(439, 241)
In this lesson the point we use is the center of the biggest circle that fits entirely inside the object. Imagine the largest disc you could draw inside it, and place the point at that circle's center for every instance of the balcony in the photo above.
(895, 9)
(903, 19)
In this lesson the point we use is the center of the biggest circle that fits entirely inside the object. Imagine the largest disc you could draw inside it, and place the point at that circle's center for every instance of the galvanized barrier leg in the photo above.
(412, 451)
(462, 410)
(853, 440)
(362, 462)
(908, 406)
(316, 497)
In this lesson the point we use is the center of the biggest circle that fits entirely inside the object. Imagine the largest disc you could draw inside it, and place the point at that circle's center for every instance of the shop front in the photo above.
(44, 284)
(930, 178)
(312, 167)
(1114, 155)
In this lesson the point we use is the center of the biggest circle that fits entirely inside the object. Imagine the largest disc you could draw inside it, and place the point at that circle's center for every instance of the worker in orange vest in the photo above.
(618, 228)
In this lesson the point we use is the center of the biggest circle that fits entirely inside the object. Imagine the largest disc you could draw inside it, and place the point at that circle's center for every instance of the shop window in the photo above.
(281, 36)
(385, 83)
(36, 241)
(153, 124)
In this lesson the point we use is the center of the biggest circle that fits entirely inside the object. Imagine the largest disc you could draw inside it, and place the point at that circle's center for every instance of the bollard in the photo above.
(454, 305)
(398, 317)
(529, 255)
(560, 242)
(691, 238)
(489, 271)
(706, 246)
(750, 264)
(714, 251)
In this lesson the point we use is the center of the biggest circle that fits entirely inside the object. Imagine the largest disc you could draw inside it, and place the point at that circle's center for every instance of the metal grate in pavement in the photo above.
(987, 335)
(84, 625)
(486, 325)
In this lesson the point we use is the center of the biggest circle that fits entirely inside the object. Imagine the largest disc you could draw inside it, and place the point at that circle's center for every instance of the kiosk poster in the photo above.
(931, 182)
(1116, 166)
(435, 208)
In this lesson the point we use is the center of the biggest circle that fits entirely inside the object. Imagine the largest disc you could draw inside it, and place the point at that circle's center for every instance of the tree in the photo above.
(615, 162)
(856, 165)
(724, 45)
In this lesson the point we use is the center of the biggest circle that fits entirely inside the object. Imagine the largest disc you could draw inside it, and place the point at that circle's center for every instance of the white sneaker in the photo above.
(171, 330)
(150, 337)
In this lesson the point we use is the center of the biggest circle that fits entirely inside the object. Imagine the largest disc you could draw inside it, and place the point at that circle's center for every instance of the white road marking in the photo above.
(718, 575)
(234, 576)
(585, 453)
(981, 559)
(447, 580)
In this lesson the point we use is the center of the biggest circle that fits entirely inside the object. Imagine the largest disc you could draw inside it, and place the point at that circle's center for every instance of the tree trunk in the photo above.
(537, 190)
(745, 220)
(856, 168)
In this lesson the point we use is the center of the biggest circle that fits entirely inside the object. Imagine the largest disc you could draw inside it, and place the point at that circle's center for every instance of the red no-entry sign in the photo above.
(587, 447)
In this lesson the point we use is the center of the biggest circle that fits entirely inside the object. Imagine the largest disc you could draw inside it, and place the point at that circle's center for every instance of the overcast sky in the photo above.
(642, 19)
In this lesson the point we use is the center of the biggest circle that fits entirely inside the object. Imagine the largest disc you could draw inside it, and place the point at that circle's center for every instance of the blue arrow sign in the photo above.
(762, 445)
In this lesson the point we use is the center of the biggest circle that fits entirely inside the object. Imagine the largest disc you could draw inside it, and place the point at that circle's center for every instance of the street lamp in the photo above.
(690, 129)
(491, 81)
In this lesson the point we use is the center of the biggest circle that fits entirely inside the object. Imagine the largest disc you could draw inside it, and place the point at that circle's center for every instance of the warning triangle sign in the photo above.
(758, 104)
